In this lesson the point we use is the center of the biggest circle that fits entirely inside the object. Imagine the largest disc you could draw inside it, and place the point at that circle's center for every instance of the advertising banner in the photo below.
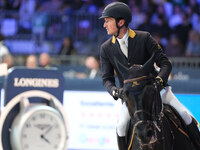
(92, 120)
(35, 85)
(22, 79)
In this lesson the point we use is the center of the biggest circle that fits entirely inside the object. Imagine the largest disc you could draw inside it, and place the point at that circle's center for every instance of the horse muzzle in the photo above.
(146, 132)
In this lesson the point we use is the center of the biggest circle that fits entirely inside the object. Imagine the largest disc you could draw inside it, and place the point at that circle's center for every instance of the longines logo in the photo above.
(36, 82)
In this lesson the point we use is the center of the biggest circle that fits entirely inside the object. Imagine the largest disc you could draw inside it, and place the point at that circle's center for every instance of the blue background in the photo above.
(191, 102)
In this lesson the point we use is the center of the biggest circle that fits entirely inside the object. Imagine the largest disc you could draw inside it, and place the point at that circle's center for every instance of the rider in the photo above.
(134, 47)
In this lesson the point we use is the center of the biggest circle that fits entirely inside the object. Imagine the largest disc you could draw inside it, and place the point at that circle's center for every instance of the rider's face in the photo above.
(110, 26)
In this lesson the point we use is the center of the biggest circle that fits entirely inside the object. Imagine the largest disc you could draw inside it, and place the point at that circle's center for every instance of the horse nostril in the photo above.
(145, 132)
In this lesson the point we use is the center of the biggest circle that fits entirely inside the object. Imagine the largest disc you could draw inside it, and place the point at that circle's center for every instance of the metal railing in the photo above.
(186, 62)
(178, 62)
(56, 60)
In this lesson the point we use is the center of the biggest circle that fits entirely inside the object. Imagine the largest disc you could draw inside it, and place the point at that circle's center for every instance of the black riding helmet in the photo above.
(118, 10)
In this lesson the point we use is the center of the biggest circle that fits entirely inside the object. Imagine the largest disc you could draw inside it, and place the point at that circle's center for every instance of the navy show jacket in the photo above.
(141, 46)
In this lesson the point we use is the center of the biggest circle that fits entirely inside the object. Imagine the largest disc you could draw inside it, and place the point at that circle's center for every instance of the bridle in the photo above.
(151, 121)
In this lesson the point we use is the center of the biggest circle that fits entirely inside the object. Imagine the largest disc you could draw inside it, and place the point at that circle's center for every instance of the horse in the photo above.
(153, 125)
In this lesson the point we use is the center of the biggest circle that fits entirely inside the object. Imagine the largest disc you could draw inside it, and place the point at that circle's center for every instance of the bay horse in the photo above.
(153, 125)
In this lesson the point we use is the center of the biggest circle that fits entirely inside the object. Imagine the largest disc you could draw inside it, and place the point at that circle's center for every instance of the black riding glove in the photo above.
(118, 93)
(159, 84)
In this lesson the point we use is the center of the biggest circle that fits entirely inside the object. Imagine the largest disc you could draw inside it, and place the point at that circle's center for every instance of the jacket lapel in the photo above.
(117, 51)
(131, 44)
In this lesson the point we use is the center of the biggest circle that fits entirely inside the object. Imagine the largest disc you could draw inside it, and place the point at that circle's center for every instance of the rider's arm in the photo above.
(107, 72)
(161, 59)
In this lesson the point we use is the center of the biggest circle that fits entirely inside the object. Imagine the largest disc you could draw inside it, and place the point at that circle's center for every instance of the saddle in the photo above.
(176, 119)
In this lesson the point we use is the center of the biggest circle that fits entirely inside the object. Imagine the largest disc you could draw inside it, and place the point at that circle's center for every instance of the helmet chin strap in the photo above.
(118, 27)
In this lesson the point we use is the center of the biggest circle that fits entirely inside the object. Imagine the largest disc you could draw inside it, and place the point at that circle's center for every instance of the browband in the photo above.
(135, 79)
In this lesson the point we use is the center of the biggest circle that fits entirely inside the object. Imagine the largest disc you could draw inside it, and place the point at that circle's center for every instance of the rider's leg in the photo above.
(121, 143)
(121, 127)
(169, 98)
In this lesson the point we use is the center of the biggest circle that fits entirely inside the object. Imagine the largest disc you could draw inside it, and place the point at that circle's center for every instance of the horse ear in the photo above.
(149, 65)
(123, 69)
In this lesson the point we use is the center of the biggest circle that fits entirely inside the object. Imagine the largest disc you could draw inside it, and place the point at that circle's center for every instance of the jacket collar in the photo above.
(131, 34)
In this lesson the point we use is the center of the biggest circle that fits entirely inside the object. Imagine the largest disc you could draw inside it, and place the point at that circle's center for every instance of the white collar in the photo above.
(125, 38)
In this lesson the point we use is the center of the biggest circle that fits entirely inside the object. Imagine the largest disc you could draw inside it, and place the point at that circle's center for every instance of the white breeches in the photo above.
(124, 117)
(167, 98)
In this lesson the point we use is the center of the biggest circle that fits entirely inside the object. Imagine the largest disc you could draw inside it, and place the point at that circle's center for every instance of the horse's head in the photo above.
(142, 98)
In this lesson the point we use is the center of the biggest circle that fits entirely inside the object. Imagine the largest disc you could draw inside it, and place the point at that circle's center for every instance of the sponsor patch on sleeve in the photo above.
(159, 47)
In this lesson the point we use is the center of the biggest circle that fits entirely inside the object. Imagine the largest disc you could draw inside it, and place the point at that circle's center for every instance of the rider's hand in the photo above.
(159, 83)
(117, 93)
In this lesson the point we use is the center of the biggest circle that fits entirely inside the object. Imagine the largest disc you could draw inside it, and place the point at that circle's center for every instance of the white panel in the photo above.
(92, 118)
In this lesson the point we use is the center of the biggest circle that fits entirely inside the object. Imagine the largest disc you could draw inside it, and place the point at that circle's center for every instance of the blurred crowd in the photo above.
(175, 24)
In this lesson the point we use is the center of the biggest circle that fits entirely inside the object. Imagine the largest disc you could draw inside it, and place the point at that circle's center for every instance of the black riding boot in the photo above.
(122, 143)
(194, 134)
